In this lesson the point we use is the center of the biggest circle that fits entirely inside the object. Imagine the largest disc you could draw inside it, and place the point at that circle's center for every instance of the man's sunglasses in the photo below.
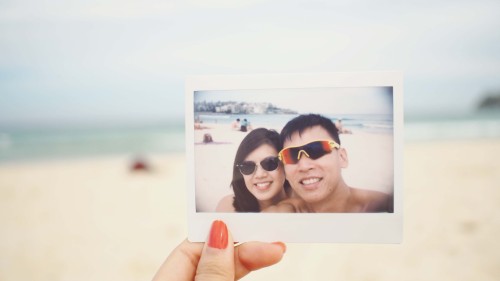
(269, 164)
(313, 150)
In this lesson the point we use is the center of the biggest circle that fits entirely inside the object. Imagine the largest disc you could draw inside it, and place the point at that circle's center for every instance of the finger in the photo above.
(217, 258)
(251, 256)
(181, 264)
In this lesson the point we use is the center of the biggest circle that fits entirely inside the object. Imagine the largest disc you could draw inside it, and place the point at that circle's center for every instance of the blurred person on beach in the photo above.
(244, 125)
(198, 125)
(313, 160)
(340, 127)
(236, 124)
(139, 164)
(218, 259)
(258, 181)
(207, 138)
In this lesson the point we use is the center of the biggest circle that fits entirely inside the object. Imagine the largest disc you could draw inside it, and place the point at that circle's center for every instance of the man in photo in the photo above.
(236, 124)
(340, 127)
(313, 160)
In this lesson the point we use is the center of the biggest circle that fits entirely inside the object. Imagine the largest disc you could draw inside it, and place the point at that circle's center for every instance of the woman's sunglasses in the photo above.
(269, 164)
(313, 150)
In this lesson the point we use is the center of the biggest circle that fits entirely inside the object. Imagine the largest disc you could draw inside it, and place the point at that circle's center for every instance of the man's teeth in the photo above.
(310, 181)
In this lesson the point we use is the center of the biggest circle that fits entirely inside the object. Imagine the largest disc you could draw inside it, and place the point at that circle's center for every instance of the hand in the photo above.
(217, 259)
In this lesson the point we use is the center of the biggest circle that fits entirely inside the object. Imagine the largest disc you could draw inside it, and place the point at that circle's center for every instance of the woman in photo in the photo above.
(258, 182)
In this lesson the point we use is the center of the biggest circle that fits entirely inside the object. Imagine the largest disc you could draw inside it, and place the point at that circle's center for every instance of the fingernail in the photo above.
(281, 244)
(218, 235)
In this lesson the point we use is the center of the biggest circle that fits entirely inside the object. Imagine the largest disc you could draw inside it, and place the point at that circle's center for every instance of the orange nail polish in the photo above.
(218, 235)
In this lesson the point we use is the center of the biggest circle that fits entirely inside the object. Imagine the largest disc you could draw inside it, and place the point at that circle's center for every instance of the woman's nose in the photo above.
(304, 162)
(260, 172)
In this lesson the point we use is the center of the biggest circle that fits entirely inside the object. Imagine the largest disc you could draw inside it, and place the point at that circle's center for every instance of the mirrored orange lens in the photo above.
(313, 150)
(286, 156)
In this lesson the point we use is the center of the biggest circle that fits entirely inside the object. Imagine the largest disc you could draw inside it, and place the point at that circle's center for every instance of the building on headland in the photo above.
(232, 107)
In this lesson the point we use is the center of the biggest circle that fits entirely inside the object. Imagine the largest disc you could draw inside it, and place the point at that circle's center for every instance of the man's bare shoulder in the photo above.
(366, 194)
(289, 205)
(373, 201)
(226, 204)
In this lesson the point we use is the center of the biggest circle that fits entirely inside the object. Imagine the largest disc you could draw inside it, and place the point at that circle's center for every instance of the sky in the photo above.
(109, 60)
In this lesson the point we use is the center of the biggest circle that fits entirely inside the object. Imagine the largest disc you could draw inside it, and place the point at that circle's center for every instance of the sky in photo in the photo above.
(109, 60)
(369, 100)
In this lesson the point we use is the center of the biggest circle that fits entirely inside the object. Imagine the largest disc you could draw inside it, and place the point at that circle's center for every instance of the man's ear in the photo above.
(344, 160)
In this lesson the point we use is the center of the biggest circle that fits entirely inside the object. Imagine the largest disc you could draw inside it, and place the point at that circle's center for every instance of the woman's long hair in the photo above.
(244, 201)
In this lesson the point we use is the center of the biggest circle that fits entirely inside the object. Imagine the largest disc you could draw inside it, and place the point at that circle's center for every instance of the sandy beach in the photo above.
(92, 219)
(371, 164)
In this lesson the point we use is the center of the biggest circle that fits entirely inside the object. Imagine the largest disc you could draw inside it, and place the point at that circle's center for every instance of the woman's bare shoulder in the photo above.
(226, 204)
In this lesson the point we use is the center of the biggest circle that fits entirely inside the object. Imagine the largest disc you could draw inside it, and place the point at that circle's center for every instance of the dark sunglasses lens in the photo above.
(270, 163)
(316, 149)
(247, 168)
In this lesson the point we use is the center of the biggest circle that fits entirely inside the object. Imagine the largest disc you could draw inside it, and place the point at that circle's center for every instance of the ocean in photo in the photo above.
(371, 123)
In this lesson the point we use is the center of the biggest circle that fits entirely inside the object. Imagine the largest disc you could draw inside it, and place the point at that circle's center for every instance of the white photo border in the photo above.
(300, 227)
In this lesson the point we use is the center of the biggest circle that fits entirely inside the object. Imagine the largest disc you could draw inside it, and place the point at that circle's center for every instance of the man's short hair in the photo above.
(302, 122)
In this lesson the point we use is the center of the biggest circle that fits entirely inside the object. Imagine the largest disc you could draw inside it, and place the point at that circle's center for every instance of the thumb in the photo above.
(217, 259)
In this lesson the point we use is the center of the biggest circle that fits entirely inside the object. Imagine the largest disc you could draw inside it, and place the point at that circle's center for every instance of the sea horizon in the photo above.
(36, 141)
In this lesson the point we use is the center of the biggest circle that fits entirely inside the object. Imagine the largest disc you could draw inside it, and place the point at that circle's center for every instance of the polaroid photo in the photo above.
(296, 157)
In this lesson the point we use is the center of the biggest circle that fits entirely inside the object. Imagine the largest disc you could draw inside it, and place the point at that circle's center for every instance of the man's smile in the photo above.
(310, 181)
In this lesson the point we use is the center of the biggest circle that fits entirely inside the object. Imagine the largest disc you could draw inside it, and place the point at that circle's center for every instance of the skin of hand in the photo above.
(218, 259)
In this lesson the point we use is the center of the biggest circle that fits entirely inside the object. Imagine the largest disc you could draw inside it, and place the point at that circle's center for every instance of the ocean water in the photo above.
(472, 126)
(28, 144)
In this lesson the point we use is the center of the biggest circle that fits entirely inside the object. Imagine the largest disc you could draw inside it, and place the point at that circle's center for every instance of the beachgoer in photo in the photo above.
(340, 127)
(258, 178)
(313, 160)
(198, 124)
(244, 125)
(236, 124)
(207, 138)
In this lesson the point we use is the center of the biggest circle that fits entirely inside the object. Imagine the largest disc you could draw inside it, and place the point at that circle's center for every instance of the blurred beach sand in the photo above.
(92, 219)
